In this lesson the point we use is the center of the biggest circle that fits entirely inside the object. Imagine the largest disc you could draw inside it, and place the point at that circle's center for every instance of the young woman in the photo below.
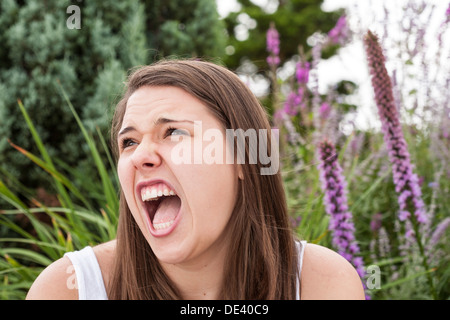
(208, 226)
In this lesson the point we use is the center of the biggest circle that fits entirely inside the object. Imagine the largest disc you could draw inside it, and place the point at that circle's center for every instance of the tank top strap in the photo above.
(300, 251)
(88, 274)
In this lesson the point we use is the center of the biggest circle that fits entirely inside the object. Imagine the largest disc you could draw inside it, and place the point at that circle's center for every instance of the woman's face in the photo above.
(182, 209)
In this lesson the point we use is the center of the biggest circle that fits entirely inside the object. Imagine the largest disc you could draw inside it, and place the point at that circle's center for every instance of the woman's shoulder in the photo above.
(105, 254)
(326, 275)
(55, 282)
(58, 280)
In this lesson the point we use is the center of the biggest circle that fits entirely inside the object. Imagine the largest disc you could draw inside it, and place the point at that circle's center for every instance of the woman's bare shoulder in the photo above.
(55, 282)
(326, 275)
(105, 254)
(58, 280)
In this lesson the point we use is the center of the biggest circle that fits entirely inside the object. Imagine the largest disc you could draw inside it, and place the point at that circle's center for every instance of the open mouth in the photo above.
(162, 205)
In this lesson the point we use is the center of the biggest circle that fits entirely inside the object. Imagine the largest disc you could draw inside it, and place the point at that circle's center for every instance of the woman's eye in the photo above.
(175, 132)
(127, 143)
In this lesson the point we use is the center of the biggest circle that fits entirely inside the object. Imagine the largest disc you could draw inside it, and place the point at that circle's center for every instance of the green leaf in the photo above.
(27, 254)
(44, 153)
(406, 279)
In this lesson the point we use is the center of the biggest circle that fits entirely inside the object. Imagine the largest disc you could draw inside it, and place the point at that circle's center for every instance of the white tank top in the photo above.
(89, 276)
(90, 280)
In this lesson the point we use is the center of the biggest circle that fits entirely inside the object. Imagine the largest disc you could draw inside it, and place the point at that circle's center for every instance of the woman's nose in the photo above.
(146, 155)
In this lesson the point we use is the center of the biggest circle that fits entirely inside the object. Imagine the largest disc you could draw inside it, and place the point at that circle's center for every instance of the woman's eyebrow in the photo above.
(164, 120)
(158, 122)
(126, 130)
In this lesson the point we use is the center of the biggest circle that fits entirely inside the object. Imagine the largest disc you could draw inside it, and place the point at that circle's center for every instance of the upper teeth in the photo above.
(155, 192)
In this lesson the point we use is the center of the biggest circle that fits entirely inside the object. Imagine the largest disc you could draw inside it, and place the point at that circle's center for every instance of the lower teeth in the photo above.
(163, 225)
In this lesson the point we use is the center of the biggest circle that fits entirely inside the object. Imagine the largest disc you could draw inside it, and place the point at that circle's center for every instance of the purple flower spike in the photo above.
(340, 32)
(324, 110)
(291, 104)
(375, 224)
(335, 200)
(439, 231)
(302, 72)
(406, 182)
(273, 46)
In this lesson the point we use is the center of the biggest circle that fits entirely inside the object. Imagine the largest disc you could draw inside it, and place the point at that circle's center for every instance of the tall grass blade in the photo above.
(108, 187)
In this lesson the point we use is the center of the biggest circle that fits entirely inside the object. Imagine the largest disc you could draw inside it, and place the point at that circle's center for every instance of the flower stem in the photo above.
(416, 228)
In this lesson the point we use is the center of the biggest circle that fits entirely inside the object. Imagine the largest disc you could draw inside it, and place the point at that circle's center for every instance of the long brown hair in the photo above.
(262, 259)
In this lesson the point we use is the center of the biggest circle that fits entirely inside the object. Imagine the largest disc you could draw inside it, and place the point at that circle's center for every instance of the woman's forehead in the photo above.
(173, 98)
(152, 103)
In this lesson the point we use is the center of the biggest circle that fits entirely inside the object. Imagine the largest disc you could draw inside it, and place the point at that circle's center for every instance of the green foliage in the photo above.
(86, 215)
(184, 27)
(38, 49)
(295, 21)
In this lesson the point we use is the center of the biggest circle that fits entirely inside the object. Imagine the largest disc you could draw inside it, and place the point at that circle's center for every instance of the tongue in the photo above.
(167, 209)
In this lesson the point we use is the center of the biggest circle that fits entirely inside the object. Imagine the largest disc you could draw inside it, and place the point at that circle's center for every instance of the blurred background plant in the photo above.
(58, 184)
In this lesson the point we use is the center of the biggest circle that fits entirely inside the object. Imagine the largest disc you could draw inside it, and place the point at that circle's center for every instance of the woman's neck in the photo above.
(200, 278)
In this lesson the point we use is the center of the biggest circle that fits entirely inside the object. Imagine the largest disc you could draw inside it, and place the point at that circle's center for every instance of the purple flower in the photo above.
(296, 99)
(340, 32)
(273, 45)
(295, 222)
(302, 72)
(273, 61)
(439, 231)
(376, 224)
(335, 200)
(324, 110)
(447, 13)
(406, 182)
(291, 104)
